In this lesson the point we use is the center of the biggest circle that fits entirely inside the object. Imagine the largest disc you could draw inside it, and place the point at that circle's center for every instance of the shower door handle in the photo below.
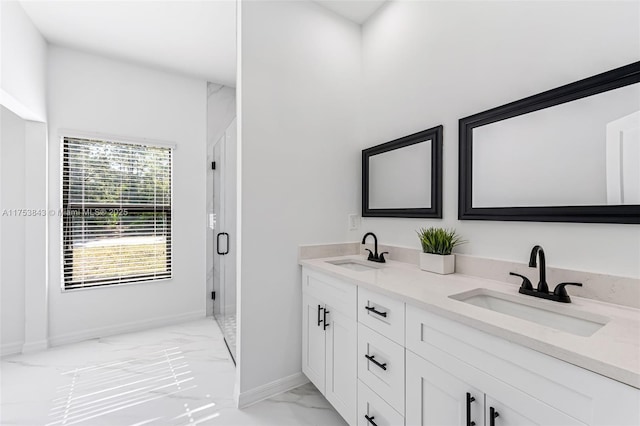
(218, 243)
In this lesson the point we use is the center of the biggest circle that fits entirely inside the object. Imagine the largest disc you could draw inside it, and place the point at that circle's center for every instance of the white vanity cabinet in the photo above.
(381, 362)
(329, 340)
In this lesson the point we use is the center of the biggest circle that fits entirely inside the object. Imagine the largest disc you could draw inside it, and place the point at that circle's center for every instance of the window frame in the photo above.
(65, 218)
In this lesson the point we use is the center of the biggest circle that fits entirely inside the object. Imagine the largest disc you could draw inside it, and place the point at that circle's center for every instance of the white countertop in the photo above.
(612, 351)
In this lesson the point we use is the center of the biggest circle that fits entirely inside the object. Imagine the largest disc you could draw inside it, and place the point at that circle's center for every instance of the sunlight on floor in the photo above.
(177, 375)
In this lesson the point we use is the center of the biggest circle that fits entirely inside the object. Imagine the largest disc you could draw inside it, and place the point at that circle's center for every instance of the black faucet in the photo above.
(559, 293)
(374, 257)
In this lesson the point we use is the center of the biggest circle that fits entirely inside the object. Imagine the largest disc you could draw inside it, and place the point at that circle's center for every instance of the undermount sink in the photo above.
(558, 317)
(354, 265)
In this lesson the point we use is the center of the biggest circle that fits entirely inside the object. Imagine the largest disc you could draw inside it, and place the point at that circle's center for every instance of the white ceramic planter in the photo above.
(438, 263)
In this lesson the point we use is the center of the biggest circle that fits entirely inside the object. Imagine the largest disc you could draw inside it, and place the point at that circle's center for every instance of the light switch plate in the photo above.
(354, 221)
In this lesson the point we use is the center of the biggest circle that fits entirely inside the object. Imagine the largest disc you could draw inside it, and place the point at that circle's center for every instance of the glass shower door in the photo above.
(224, 262)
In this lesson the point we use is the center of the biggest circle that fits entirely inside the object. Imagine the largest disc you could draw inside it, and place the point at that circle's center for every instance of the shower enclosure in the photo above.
(221, 210)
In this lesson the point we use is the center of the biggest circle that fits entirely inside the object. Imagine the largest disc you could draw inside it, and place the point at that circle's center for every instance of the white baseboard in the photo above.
(271, 389)
(38, 345)
(128, 327)
(11, 348)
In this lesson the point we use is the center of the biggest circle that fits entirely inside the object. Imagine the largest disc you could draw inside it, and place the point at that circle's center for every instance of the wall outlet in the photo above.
(354, 222)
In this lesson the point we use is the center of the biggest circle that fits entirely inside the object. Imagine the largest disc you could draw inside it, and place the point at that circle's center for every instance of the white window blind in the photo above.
(116, 213)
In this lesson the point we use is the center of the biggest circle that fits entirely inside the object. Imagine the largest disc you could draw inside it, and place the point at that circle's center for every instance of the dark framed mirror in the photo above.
(570, 154)
(403, 177)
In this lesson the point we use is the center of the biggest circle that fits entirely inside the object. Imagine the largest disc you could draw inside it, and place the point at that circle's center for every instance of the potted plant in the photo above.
(437, 244)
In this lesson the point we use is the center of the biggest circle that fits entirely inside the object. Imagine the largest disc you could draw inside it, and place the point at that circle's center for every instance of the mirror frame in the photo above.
(610, 80)
(435, 211)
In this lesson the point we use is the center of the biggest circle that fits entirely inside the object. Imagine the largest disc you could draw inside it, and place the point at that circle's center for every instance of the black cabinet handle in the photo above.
(324, 319)
(492, 416)
(370, 420)
(320, 308)
(470, 399)
(373, 360)
(218, 243)
(373, 309)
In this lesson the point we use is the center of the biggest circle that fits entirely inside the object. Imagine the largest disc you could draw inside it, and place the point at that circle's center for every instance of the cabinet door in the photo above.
(342, 379)
(313, 341)
(524, 411)
(437, 398)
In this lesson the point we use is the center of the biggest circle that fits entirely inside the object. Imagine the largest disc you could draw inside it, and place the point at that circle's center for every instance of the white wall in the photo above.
(22, 64)
(98, 95)
(430, 63)
(12, 228)
(299, 176)
(23, 59)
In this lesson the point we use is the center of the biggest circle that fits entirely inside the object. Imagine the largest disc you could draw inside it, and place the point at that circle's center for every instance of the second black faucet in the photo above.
(559, 293)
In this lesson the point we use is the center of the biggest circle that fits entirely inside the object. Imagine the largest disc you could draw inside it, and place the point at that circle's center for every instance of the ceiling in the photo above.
(196, 38)
(357, 11)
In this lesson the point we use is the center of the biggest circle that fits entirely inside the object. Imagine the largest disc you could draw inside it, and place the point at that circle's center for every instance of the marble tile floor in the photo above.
(176, 375)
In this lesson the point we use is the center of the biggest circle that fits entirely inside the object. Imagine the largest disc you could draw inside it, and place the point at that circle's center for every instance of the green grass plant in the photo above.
(438, 240)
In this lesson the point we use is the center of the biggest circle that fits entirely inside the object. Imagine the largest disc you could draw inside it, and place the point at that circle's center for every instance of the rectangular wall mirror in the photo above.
(403, 178)
(571, 154)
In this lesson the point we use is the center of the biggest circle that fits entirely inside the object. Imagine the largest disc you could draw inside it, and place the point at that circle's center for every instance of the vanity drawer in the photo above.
(374, 407)
(339, 295)
(381, 366)
(382, 314)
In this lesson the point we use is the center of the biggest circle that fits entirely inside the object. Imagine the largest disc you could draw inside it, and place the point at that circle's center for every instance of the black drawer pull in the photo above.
(373, 360)
(373, 309)
(370, 419)
(492, 416)
(320, 308)
(470, 399)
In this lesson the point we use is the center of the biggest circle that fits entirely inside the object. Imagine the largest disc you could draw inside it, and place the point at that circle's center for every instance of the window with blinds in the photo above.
(116, 213)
